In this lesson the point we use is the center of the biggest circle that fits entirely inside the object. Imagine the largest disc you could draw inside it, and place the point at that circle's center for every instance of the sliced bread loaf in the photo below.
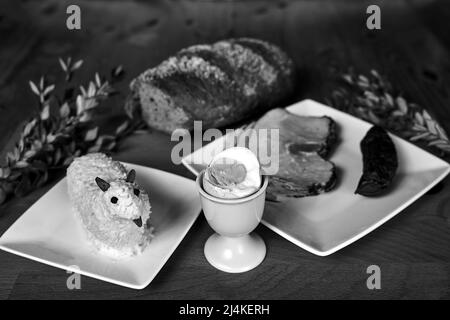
(220, 84)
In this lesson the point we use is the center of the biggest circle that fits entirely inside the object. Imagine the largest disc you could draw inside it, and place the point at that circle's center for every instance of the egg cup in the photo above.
(234, 247)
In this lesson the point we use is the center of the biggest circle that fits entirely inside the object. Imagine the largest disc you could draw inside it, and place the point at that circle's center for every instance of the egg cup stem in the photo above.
(235, 254)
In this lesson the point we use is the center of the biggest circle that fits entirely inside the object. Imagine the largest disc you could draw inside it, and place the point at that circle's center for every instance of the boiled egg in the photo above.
(233, 173)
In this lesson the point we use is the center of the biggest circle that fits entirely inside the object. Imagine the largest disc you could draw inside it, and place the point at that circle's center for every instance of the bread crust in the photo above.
(219, 84)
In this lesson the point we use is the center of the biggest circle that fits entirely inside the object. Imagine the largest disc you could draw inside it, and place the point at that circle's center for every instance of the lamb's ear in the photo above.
(131, 176)
(102, 184)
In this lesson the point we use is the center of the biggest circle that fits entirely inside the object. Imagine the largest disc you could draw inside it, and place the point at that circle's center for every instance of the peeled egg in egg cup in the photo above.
(233, 213)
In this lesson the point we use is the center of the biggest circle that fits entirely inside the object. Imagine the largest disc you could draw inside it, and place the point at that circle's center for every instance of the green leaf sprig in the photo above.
(61, 130)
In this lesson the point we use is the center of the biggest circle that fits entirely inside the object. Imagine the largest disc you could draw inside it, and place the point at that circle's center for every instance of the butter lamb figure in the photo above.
(113, 209)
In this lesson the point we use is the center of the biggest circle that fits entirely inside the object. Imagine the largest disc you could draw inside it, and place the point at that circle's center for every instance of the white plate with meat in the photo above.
(329, 221)
(50, 232)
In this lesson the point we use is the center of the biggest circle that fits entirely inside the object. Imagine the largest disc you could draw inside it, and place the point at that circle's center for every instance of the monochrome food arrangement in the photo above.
(300, 194)
(316, 176)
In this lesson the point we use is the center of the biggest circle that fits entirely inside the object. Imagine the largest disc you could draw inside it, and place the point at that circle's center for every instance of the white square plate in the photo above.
(326, 223)
(49, 232)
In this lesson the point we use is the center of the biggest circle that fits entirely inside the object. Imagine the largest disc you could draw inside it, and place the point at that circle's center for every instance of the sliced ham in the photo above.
(304, 141)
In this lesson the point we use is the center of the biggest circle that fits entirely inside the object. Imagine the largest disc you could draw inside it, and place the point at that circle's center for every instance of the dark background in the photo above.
(411, 49)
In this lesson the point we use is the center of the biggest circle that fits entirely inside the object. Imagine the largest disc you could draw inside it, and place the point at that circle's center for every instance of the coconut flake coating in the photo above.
(109, 226)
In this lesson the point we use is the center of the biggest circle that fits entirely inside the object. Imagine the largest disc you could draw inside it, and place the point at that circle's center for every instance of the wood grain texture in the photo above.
(412, 49)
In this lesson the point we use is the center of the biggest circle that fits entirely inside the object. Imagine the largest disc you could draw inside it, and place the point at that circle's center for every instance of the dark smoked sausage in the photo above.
(379, 162)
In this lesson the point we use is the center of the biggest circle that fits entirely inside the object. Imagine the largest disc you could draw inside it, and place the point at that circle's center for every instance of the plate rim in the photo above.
(90, 274)
(366, 231)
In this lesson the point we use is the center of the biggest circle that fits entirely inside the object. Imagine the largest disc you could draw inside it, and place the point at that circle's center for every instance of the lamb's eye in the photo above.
(137, 192)
(114, 200)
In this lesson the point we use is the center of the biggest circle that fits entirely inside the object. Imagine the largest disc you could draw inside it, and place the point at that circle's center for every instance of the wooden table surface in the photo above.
(412, 50)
